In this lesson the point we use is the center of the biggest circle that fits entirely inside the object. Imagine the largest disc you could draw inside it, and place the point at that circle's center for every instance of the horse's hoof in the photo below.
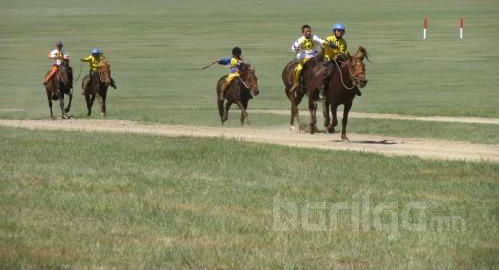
(66, 110)
(292, 128)
(345, 138)
(312, 128)
(330, 129)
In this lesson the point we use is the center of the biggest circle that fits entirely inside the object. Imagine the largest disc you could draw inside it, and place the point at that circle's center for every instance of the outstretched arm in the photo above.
(223, 61)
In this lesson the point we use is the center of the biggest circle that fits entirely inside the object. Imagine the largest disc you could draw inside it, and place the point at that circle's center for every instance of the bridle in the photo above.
(355, 80)
(251, 91)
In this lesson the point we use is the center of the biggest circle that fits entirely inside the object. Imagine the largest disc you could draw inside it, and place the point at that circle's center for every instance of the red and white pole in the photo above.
(461, 27)
(425, 28)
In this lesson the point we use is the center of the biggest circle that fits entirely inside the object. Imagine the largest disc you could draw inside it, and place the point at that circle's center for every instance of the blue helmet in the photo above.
(96, 51)
(338, 26)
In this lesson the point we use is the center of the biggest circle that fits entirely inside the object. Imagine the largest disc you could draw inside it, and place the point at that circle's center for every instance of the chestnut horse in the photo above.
(240, 91)
(342, 87)
(61, 83)
(308, 86)
(97, 87)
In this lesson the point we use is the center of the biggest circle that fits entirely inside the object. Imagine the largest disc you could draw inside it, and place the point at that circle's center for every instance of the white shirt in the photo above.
(57, 60)
(302, 52)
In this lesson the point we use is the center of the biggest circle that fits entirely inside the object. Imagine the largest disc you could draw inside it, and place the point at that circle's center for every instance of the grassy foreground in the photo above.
(94, 200)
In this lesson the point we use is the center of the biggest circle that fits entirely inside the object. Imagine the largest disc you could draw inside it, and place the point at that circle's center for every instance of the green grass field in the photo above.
(81, 200)
(104, 200)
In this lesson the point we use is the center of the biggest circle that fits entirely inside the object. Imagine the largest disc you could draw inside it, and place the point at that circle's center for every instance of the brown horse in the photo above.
(307, 87)
(97, 87)
(61, 83)
(342, 87)
(240, 91)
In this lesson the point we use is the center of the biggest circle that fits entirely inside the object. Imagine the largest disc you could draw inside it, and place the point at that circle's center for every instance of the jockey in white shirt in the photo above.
(58, 55)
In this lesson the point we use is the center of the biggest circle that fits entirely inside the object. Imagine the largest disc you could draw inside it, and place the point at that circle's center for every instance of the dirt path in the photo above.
(392, 146)
(469, 120)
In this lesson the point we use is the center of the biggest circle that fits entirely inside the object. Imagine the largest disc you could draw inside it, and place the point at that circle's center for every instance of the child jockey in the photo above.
(336, 55)
(93, 63)
(307, 47)
(58, 56)
(235, 63)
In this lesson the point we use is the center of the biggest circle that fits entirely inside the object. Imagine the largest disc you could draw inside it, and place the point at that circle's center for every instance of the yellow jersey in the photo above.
(93, 62)
(341, 47)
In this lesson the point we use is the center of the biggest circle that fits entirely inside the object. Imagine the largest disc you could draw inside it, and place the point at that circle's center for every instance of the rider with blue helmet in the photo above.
(335, 55)
(93, 63)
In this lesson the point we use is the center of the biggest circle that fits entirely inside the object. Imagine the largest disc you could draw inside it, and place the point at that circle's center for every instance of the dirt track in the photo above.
(468, 120)
(393, 146)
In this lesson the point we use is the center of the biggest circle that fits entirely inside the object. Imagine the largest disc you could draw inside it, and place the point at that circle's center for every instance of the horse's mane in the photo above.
(104, 63)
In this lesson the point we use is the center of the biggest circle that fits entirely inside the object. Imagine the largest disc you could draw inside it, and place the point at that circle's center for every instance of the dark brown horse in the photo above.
(97, 87)
(240, 91)
(342, 87)
(61, 83)
(307, 87)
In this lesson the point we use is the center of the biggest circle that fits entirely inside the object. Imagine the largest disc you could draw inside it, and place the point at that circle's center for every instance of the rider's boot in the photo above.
(50, 75)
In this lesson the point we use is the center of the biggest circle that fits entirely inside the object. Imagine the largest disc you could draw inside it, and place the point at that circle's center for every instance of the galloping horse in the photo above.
(342, 86)
(240, 91)
(97, 87)
(308, 87)
(60, 84)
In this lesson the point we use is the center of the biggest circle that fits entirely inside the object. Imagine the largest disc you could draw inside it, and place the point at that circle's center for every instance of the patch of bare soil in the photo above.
(392, 146)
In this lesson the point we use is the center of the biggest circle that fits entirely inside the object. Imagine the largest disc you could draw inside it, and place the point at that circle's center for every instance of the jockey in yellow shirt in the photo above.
(93, 63)
(58, 56)
(235, 63)
(306, 47)
(335, 56)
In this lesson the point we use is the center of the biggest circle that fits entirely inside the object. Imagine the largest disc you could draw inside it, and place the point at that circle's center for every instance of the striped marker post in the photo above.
(425, 28)
(461, 27)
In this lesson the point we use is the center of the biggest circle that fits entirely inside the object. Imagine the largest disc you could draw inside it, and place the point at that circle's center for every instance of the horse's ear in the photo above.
(361, 53)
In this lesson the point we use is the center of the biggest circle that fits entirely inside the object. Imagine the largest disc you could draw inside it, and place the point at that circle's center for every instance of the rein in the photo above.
(79, 73)
(341, 76)
(246, 85)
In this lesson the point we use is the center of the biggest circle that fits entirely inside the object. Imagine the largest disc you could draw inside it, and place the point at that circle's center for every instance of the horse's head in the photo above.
(249, 79)
(105, 71)
(357, 67)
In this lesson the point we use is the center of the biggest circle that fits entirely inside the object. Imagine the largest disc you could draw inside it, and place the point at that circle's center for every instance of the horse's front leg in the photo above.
(49, 97)
(334, 109)
(89, 98)
(245, 106)
(226, 111)
(344, 121)
(61, 102)
(312, 108)
(325, 112)
(244, 113)
(101, 98)
(70, 95)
